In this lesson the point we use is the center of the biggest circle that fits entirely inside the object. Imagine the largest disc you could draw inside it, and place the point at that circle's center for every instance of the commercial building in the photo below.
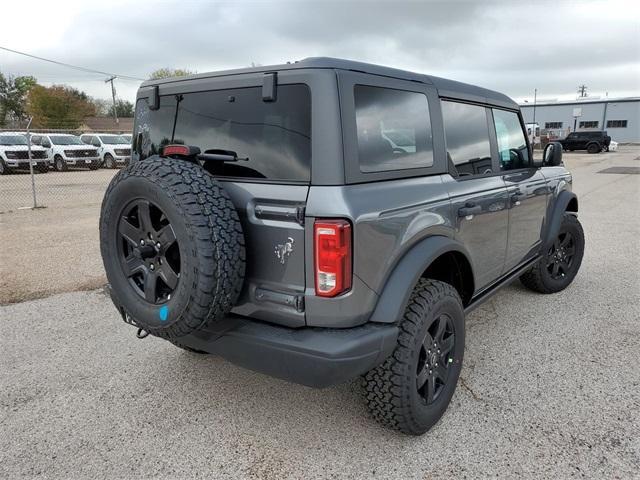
(620, 117)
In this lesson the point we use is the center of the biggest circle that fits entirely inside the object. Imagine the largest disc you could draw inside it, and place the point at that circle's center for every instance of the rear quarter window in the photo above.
(393, 128)
(274, 136)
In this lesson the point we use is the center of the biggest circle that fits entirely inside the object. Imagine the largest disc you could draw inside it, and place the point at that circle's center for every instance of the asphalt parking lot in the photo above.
(550, 385)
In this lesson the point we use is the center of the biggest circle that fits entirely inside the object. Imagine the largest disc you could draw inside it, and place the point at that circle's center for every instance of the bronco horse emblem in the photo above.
(283, 251)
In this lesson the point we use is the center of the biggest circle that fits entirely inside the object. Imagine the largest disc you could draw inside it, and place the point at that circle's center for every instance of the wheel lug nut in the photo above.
(141, 242)
(430, 372)
(152, 266)
(158, 245)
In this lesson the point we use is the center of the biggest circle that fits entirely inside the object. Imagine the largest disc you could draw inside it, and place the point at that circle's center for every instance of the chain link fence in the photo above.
(22, 186)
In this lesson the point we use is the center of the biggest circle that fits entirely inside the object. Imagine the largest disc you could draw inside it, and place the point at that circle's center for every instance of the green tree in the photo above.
(124, 108)
(170, 72)
(13, 93)
(58, 106)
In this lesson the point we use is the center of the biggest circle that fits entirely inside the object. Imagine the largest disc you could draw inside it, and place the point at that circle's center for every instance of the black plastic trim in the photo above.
(555, 217)
(317, 357)
(503, 281)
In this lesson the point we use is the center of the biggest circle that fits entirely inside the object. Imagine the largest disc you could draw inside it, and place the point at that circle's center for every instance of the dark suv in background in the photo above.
(592, 141)
(327, 219)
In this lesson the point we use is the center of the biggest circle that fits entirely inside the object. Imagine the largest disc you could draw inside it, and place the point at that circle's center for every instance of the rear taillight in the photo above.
(332, 257)
(175, 150)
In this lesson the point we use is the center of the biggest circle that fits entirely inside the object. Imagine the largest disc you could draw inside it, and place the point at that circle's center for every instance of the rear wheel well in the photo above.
(453, 268)
(572, 206)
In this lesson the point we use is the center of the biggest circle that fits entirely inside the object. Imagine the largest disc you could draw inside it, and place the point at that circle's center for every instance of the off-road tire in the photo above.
(390, 389)
(209, 236)
(4, 170)
(43, 168)
(539, 279)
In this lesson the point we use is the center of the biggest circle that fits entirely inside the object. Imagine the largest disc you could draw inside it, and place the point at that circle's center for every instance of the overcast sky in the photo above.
(509, 46)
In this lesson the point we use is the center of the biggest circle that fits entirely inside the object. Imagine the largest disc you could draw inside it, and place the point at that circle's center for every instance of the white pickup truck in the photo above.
(113, 149)
(14, 154)
(65, 150)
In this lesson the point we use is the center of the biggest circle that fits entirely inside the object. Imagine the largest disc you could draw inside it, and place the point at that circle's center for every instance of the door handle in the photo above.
(470, 208)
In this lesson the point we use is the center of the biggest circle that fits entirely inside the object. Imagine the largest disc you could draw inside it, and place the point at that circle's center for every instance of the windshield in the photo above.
(113, 139)
(65, 140)
(13, 140)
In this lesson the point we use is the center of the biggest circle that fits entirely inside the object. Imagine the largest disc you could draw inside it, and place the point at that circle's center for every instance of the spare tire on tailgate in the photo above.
(172, 246)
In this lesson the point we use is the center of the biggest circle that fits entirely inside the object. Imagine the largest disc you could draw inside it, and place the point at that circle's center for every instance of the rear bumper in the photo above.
(317, 357)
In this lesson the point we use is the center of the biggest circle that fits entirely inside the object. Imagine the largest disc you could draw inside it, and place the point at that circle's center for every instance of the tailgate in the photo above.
(272, 218)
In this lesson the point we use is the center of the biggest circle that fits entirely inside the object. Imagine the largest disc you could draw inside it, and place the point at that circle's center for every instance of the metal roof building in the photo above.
(620, 117)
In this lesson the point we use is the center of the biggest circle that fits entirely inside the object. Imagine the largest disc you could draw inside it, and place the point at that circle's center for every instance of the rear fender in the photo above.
(399, 286)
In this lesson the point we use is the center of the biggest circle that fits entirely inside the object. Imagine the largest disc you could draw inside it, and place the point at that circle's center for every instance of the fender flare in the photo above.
(555, 217)
(400, 283)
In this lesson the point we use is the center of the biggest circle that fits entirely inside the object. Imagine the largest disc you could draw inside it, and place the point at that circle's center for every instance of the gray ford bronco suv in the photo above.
(327, 219)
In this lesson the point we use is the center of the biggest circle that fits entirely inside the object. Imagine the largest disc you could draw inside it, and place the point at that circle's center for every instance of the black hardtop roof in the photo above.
(446, 88)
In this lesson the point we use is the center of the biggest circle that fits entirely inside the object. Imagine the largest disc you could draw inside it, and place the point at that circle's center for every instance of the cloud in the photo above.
(510, 46)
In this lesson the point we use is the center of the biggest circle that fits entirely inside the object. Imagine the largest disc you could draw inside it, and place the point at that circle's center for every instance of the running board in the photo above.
(488, 292)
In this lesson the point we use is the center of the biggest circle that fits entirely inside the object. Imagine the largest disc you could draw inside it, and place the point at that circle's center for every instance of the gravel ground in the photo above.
(53, 249)
(550, 385)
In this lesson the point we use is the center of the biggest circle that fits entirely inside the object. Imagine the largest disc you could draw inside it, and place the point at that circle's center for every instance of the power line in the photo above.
(82, 69)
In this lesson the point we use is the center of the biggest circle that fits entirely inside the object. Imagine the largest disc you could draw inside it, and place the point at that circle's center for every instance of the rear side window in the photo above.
(513, 151)
(467, 137)
(394, 129)
(274, 136)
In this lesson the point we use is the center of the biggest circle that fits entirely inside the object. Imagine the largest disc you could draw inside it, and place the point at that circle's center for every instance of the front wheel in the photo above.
(561, 262)
(4, 170)
(109, 162)
(59, 164)
(411, 390)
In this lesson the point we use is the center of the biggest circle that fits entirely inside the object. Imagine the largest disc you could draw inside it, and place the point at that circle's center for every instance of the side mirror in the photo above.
(552, 155)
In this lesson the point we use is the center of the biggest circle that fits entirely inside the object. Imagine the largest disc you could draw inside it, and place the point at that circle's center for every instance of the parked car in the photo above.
(14, 154)
(593, 141)
(267, 218)
(64, 151)
(114, 150)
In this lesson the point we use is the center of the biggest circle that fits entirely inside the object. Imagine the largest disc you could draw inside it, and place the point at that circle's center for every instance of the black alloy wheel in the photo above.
(411, 389)
(433, 367)
(560, 256)
(559, 265)
(148, 250)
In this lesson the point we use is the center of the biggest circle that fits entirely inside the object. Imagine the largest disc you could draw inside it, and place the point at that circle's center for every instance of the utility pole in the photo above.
(113, 96)
(582, 91)
(533, 133)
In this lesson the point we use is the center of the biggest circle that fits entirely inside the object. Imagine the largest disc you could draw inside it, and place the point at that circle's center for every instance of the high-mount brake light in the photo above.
(175, 150)
(332, 257)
